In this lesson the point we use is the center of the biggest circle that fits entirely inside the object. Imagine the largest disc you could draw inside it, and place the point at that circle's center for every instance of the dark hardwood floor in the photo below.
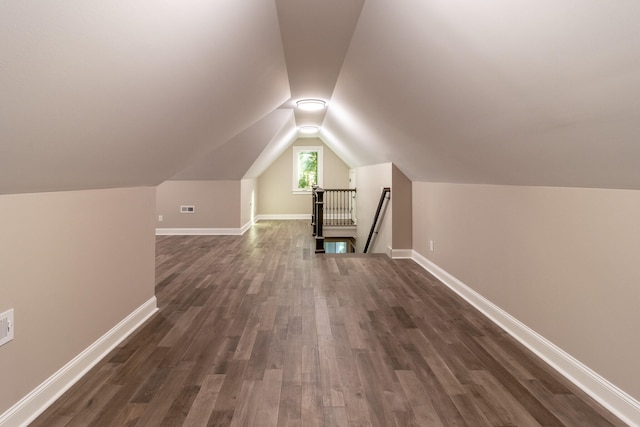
(259, 330)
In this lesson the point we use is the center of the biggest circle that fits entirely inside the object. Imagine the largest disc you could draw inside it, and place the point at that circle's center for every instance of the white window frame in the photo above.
(296, 151)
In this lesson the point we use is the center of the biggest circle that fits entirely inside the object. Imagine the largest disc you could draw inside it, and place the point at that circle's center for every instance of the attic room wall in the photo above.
(275, 183)
(401, 203)
(248, 200)
(370, 182)
(217, 204)
(74, 264)
(564, 261)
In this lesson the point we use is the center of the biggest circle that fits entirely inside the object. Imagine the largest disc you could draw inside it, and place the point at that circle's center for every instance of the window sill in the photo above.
(301, 191)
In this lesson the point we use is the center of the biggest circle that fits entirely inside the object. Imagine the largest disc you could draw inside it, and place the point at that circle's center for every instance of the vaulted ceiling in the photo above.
(128, 93)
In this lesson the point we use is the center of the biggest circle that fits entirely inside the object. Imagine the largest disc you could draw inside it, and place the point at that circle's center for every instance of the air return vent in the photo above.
(6, 327)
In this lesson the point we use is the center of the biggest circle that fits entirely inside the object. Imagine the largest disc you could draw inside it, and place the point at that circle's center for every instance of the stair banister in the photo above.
(318, 217)
(385, 191)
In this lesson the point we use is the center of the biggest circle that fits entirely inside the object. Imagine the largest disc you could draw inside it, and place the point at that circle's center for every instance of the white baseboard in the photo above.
(400, 253)
(246, 227)
(39, 399)
(280, 217)
(607, 394)
(229, 231)
(199, 231)
(204, 231)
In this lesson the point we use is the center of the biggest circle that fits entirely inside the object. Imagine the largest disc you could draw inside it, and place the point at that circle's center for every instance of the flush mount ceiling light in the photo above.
(308, 129)
(311, 104)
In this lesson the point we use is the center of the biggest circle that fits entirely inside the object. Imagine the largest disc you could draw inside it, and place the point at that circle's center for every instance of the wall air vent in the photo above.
(187, 209)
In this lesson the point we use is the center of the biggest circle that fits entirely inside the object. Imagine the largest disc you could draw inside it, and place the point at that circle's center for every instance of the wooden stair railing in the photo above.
(331, 207)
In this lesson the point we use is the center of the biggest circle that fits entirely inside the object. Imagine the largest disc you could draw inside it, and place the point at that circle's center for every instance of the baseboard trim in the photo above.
(607, 394)
(199, 231)
(282, 217)
(39, 399)
(246, 227)
(401, 253)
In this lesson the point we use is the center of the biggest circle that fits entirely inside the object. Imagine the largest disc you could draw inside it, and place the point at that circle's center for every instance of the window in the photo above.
(335, 247)
(307, 168)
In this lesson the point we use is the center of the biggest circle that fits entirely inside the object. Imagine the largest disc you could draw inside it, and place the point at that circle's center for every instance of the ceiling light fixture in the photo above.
(308, 129)
(311, 104)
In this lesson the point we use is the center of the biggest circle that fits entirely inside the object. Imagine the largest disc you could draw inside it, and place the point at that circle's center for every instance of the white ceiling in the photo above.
(232, 160)
(507, 92)
(128, 93)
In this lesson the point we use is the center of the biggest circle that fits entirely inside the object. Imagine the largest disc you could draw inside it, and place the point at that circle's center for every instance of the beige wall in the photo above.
(217, 204)
(564, 261)
(275, 184)
(248, 200)
(401, 202)
(370, 182)
(74, 264)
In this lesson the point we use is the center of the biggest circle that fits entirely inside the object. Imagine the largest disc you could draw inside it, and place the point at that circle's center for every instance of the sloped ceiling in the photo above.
(126, 93)
(116, 93)
(504, 92)
(231, 160)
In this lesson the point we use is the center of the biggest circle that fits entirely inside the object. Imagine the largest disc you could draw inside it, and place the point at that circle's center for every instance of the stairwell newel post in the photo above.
(313, 210)
(318, 218)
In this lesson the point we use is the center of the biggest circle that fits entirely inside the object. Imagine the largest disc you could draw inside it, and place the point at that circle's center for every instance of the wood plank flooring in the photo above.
(257, 330)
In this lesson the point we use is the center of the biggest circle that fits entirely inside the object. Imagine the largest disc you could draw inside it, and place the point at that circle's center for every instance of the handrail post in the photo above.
(314, 231)
(319, 219)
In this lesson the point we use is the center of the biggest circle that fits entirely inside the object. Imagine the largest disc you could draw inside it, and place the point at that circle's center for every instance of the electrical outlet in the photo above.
(160, 218)
(6, 327)
(431, 246)
(187, 209)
